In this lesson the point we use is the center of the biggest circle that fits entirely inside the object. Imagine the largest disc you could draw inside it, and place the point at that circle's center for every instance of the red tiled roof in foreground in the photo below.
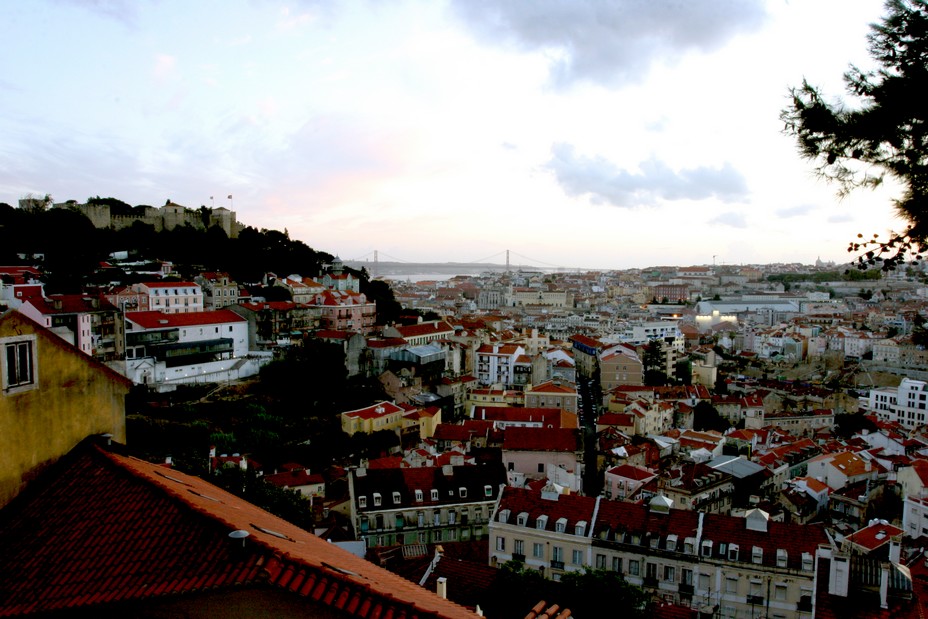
(100, 529)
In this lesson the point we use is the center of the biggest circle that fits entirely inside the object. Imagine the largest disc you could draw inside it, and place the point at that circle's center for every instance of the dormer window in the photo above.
(781, 557)
(733, 552)
(541, 522)
(434, 494)
(488, 491)
(689, 545)
(397, 498)
(462, 492)
(377, 499)
(561, 525)
(522, 519)
(362, 502)
(504, 515)
(806, 562)
(757, 555)
(580, 528)
(671, 542)
(419, 496)
(707, 548)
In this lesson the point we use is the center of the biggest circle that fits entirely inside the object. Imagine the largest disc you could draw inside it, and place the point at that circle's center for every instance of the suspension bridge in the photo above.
(379, 263)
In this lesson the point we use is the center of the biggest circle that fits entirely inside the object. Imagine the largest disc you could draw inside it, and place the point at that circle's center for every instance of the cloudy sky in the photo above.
(574, 133)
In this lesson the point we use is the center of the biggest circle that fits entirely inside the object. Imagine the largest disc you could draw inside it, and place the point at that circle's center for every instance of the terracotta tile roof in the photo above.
(547, 416)
(629, 471)
(159, 320)
(70, 304)
(170, 285)
(294, 478)
(448, 483)
(380, 409)
(542, 439)
(100, 529)
(586, 341)
(333, 334)
(554, 387)
(874, 536)
(425, 328)
(573, 508)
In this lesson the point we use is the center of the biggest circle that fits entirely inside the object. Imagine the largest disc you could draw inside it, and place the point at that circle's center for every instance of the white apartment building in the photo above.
(720, 565)
(172, 297)
(906, 404)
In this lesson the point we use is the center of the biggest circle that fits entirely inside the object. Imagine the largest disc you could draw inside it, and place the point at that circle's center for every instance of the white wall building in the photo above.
(906, 404)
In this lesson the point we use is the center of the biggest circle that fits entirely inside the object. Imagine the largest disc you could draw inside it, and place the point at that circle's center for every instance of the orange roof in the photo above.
(160, 320)
(100, 529)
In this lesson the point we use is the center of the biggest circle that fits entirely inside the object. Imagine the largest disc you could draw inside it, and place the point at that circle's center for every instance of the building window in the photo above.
(396, 498)
(541, 467)
(634, 567)
(488, 491)
(733, 552)
(462, 492)
(731, 584)
(600, 562)
(500, 544)
(518, 547)
(577, 557)
(418, 496)
(377, 499)
(434, 494)
(362, 502)
(779, 592)
(557, 554)
(669, 573)
(617, 564)
(538, 550)
(19, 364)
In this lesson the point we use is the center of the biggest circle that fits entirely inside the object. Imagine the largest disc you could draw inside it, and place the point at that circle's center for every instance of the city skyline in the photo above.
(583, 134)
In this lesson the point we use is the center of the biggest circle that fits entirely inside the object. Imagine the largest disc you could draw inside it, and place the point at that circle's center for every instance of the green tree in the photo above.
(884, 136)
(684, 372)
(919, 332)
(707, 417)
(653, 363)
(584, 592)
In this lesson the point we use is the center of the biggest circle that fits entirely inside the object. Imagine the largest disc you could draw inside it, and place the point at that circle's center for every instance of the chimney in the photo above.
(237, 541)
(441, 587)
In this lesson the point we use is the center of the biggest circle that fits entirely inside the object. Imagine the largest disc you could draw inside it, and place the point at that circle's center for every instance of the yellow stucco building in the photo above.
(52, 396)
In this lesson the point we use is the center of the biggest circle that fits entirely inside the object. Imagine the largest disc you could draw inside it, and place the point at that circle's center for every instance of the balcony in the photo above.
(686, 589)
(805, 604)
(519, 557)
(650, 581)
(557, 565)
(755, 600)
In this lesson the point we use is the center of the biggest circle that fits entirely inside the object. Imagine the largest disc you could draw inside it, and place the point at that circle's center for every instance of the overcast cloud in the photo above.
(610, 42)
(654, 181)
